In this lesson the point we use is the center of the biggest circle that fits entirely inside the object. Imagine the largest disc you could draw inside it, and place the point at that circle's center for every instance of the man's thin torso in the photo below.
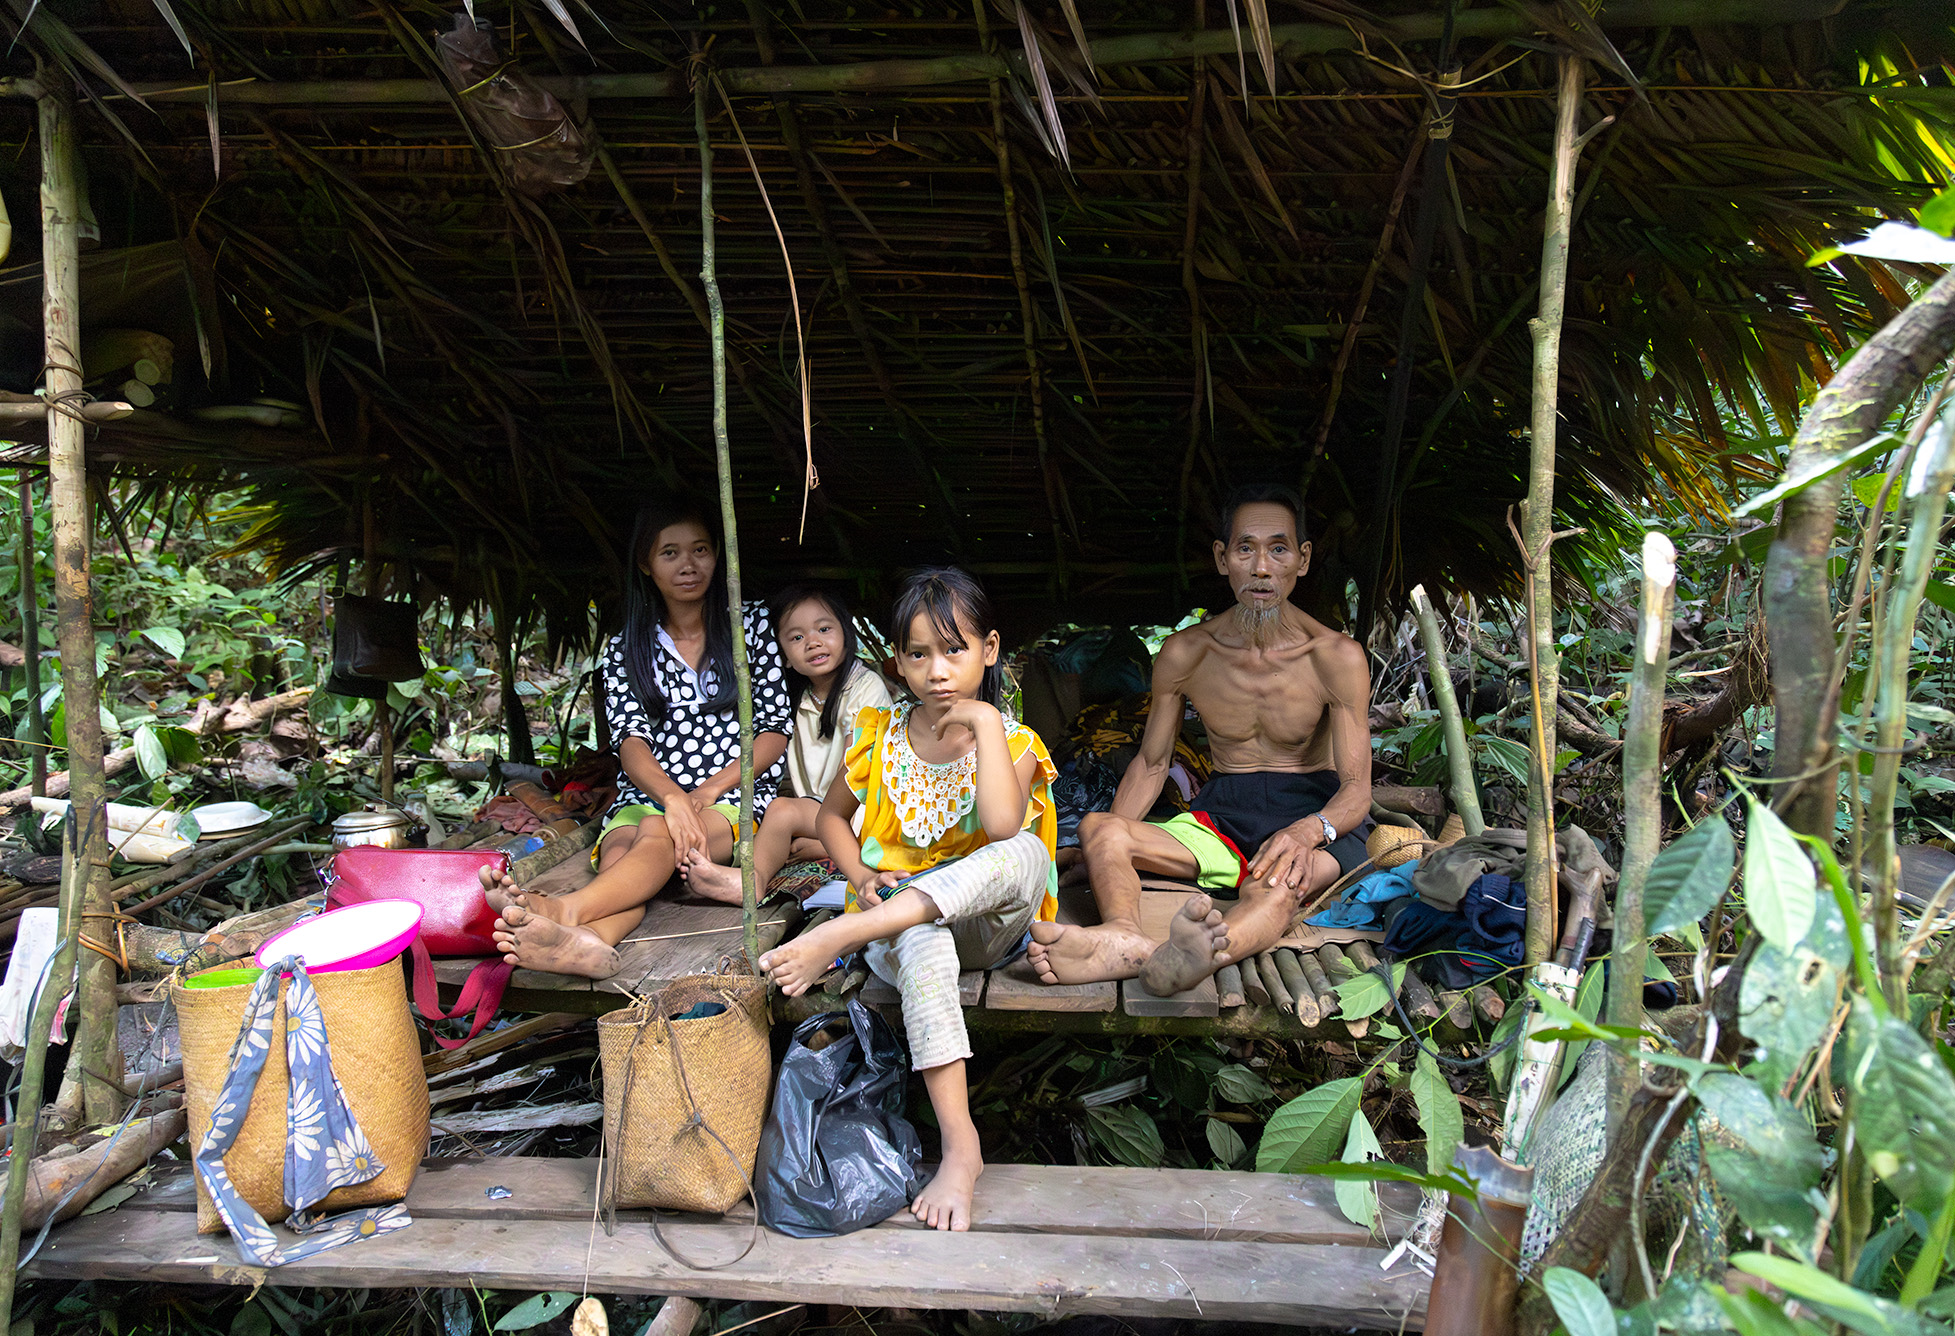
(1264, 710)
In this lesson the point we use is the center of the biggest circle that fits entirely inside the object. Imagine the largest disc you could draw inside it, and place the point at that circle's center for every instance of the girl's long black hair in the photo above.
(645, 611)
(956, 605)
(787, 601)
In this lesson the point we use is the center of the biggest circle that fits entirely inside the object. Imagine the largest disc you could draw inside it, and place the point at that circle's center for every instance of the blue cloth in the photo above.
(1486, 936)
(1357, 906)
(324, 1146)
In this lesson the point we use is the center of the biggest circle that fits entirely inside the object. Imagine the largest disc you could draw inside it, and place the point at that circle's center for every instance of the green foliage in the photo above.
(1357, 1197)
(1687, 877)
(535, 1311)
(1904, 1107)
(1439, 1112)
(1780, 886)
(1127, 1135)
(1310, 1128)
(1579, 1302)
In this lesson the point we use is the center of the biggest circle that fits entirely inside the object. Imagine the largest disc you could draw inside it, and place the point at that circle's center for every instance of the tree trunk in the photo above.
(98, 1101)
(1798, 603)
(1537, 515)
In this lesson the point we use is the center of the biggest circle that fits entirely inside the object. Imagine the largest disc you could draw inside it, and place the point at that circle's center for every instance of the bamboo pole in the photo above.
(722, 451)
(1928, 486)
(83, 1094)
(30, 638)
(33, 1069)
(1642, 774)
(1493, 23)
(1459, 761)
(1537, 524)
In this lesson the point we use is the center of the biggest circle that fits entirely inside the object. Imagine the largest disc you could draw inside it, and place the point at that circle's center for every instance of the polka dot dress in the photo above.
(692, 743)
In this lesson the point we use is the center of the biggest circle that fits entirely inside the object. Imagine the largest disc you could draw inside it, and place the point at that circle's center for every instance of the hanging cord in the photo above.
(1383, 970)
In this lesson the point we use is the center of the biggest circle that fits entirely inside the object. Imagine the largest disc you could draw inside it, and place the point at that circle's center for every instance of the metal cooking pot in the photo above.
(384, 829)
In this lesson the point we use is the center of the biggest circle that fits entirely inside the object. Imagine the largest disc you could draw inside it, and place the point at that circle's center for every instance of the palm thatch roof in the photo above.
(1051, 310)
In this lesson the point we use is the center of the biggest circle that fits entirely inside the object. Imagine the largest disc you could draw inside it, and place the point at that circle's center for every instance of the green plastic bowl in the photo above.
(224, 978)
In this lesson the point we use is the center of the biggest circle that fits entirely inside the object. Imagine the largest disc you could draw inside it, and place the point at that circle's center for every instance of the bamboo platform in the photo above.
(682, 935)
(1049, 1240)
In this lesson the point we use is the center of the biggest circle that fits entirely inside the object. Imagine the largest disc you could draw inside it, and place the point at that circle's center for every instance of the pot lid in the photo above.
(384, 820)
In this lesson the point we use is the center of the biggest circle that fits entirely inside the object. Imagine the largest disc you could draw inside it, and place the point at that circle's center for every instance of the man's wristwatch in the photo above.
(1330, 831)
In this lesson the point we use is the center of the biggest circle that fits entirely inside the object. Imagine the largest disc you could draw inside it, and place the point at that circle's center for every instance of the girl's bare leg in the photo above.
(786, 818)
(945, 1202)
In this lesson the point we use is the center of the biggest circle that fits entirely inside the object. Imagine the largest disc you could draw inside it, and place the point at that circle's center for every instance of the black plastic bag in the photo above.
(837, 1154)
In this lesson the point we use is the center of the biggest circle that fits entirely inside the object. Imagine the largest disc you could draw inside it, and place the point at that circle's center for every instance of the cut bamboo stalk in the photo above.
(1459, 761)
(729, 525)
(1302, 999)
(1252, 983)
(1642, 778)
(1458, 1010)
(1336, 967)
(100, 410)
(27, 563)
(1361, 955)
(1487, 1004)
(1228, 986)
(1279, 991)
(1328, 1002)
(1420, 1004)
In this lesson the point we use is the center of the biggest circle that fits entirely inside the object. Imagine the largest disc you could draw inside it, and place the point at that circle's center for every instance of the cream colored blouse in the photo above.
(812, 760)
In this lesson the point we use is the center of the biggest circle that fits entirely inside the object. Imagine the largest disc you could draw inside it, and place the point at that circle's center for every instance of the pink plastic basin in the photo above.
(354, 938)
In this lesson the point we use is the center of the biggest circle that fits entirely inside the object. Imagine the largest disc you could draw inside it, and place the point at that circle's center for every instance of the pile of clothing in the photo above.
(1460, 913)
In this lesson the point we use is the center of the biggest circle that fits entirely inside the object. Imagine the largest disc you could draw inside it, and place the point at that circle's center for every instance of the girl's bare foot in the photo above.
(1067, 953)
(709, 880)
(501, 891)
(945, 1202)
(798, 964)
(528, 939)
(1197, 946)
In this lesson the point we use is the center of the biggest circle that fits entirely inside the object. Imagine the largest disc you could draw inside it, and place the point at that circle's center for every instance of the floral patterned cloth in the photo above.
(324, 1146)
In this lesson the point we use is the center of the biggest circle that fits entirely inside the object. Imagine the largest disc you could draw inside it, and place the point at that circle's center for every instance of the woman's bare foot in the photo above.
(709, 880)
(797, 965)
(1197, 946)
(945, 1202)
(1067, 953)
(528, 939)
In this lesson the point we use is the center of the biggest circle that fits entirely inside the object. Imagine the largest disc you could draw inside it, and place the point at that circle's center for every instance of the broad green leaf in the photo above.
(1941, 1303)
(166, 638)
(1439, 1112)
(1787, 997)
(1383, 1171)
(1310, 1128)
(1358, 1198)
(1588, 1005)
(1866, 1313)
(181, 744)
(1226, 1142)
(1687, 878)
(1579, 1302)
(1769, 1127)
(1904, 1108)
(1781, 888)
(1755, 1315)
(1773, 1208)
(1867, 490)
(1870, 1272)
(1364, 994)
(1239, 1085)
(1126, 1134)
(151, 758)
(1941, 594)
(535, 1311)
(1501, 1068)
(1938, 214)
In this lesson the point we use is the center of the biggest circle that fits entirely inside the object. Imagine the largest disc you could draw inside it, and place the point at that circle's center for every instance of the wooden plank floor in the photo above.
(1047, 1240)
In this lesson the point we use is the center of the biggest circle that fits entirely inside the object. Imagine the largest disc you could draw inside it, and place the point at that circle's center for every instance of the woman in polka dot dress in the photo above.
(670, 696)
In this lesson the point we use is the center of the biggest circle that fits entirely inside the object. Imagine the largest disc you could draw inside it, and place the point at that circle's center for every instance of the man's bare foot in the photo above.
(1197, 946)
(528, 939)
(501, 891)
(709, 880)
(797, 964)
(945, 1202)
(1067, 953)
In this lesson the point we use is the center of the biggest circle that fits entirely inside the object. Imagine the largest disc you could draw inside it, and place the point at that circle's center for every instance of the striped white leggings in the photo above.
(985, 902)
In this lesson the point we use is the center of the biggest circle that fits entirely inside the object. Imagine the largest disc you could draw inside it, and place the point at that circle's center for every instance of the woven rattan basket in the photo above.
(376, 1055)
(1388, 846)
(684, 1100)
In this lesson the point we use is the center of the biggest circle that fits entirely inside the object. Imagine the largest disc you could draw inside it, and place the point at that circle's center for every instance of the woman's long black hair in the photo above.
(645, 611)
(949, 596)
(787, 601)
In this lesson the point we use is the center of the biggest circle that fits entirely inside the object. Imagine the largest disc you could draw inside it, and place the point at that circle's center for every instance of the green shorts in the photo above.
(633, 813)
(1218, 867)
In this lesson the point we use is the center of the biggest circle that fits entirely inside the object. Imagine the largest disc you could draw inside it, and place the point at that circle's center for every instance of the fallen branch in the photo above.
(210, 720)
(57, 787)
(95, 1170)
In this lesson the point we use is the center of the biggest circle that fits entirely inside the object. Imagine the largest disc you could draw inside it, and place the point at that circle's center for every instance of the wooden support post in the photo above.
(723, 458)
(30, 639)
(83, 1095)
(1459, 761)
(1642, 774)
(27, 1112)
(383, 715)
(1537, 515)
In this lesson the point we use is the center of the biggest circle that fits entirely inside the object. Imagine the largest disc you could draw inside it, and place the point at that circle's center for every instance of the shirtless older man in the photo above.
(1285, 700)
